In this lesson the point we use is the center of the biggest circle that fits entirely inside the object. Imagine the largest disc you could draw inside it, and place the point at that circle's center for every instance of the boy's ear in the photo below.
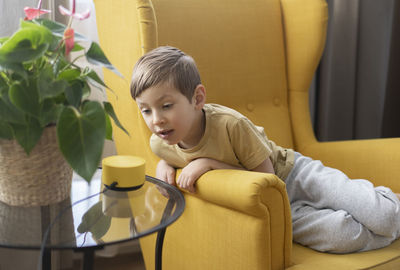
(199, 96)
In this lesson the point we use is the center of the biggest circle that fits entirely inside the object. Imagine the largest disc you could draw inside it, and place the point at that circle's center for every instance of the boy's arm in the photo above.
(165, 172)
(265, 167)
(198, 167)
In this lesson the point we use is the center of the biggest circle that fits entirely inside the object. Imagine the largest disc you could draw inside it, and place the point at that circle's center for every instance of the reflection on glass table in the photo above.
(85, 225)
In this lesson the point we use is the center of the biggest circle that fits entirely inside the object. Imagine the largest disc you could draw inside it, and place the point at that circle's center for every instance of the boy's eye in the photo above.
(167, 106)
(145, 111)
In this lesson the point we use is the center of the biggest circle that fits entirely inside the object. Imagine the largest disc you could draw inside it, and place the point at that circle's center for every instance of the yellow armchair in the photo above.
(257, 56)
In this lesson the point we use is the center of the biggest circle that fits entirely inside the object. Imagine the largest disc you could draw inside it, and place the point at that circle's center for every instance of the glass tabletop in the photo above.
(90, 218)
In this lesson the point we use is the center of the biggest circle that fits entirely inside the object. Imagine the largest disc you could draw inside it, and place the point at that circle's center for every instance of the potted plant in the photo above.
(43, 90)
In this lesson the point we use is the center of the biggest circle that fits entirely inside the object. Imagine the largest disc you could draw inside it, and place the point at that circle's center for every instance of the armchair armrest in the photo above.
(377, 160)
(245, 191)
(258, 196)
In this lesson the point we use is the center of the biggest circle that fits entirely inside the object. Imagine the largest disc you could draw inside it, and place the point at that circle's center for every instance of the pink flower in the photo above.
(69, 32)
(72, 13)
(69, 40)
(32, 13)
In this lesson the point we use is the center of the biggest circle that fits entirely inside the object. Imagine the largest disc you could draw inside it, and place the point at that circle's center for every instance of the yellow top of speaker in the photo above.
(127, 171)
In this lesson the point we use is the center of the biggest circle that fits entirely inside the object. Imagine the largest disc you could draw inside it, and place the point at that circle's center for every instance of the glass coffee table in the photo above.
(90, 220)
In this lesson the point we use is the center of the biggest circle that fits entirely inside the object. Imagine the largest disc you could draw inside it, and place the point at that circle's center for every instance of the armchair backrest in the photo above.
(252, 55)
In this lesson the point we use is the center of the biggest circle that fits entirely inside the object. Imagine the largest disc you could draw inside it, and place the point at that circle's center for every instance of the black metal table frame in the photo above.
(88, 252)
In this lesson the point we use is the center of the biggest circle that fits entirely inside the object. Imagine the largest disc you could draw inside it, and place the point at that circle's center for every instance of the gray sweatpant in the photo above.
(332, 213)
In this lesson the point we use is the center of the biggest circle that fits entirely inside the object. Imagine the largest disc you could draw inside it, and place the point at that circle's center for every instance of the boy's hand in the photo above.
(165, 172)
(192, 172)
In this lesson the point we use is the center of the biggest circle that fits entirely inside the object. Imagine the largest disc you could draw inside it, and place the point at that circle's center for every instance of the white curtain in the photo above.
(10, 14)
(88, 28)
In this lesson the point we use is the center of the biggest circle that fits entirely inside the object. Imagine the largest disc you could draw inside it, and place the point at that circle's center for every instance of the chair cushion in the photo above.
(385, 258)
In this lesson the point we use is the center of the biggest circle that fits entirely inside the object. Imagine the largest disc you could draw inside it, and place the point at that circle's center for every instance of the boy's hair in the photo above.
(165, 65)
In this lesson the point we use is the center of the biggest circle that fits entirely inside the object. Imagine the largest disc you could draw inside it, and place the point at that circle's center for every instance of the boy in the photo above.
(329, 212)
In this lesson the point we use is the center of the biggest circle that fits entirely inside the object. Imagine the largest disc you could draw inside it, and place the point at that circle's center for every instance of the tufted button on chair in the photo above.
(259, 57)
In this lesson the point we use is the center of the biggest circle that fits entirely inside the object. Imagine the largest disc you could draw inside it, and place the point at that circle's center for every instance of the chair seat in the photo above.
(385, 258)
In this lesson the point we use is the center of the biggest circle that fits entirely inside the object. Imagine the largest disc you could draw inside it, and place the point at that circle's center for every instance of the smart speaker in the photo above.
(123, 173)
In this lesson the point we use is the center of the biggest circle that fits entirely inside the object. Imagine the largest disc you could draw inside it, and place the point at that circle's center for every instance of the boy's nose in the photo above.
(158, 119)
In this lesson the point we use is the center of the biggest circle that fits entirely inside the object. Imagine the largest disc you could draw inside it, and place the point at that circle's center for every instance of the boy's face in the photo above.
(170, 115)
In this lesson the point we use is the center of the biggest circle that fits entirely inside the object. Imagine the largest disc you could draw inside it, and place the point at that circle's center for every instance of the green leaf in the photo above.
(58, 29)
(74, 93)
(77, 47)
(3, 82)
(93, 76)
(81, 137)
(16, 67)
(96, 56)
(3, 39)
(30, 42)
(28, 135)
(25, 98)
(48, 86)
(69, 74)
(24, 51)
(110, 110)
(8, 112)
(6, 131)
(50, 112)
(59, 64)
(109, 130)
(95, 221)
(57, 87)
(45, 35)
(55, 27)
(85, 90)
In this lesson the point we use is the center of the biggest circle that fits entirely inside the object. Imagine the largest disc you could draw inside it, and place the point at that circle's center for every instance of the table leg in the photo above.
(46, 260)
(159, 246)
(88, 259)
(45, 218)
(161, 234)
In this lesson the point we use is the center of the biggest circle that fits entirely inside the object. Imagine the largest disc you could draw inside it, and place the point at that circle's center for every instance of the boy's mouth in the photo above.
(164, 134)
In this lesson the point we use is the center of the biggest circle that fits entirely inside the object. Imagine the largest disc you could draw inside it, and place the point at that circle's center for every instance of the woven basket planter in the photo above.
(41, 178)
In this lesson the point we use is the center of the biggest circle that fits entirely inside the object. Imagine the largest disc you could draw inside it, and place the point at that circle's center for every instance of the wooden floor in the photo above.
(120, 262)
